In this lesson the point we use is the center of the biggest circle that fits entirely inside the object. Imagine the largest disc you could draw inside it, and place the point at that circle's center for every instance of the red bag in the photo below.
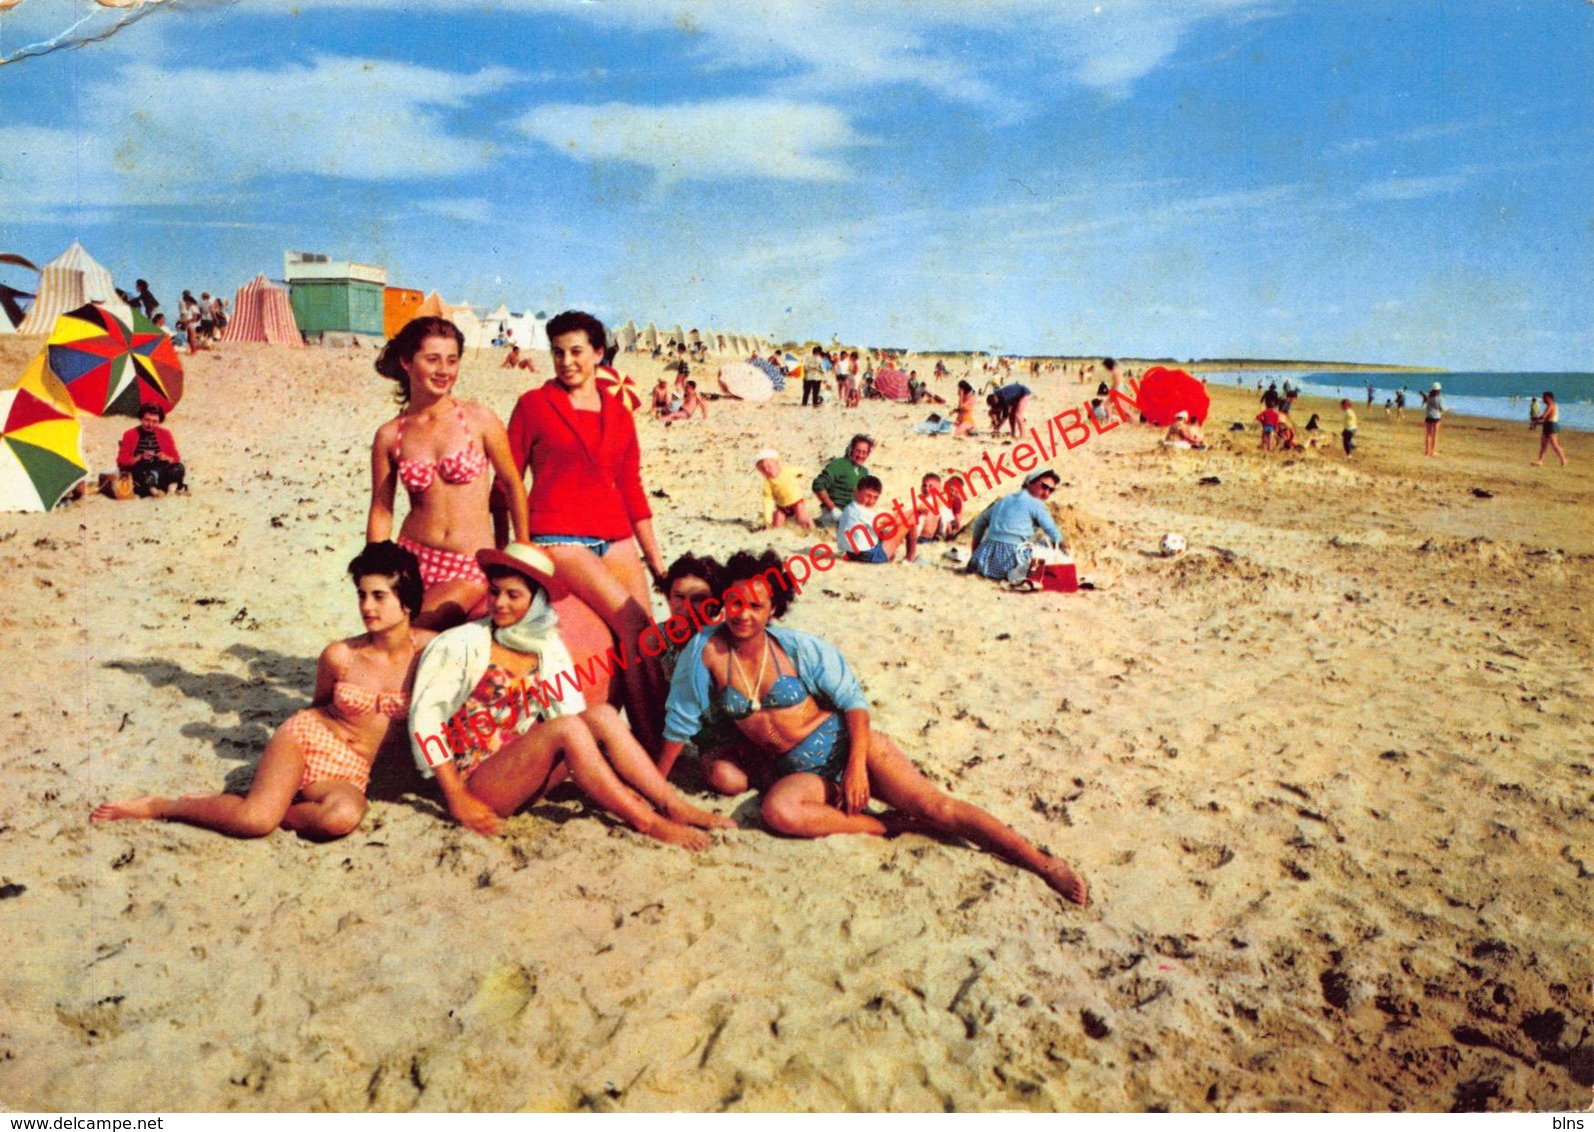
(1051, 571)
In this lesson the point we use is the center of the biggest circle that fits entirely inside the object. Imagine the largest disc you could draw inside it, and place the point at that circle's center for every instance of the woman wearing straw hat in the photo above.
(498, 719)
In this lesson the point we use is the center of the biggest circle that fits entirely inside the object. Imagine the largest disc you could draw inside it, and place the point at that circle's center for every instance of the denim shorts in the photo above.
(598, 546)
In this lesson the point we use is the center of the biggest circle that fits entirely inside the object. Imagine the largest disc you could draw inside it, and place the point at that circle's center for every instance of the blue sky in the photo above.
(1362, 180)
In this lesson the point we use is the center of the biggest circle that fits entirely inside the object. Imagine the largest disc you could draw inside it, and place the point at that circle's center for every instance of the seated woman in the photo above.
(1003, 530)
(313, 774)
(793, 699)
(148, 453)
(499, 721)
(1182, 434)
(441, 449)
(588, 508)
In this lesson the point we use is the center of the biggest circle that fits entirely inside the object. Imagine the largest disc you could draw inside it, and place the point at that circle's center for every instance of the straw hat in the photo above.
(523, 558)
(1435, 388)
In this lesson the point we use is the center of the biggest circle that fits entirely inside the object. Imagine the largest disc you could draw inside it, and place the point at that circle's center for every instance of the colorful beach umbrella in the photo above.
(891, 384)
(619, 386)
(41, 452)
(109, 367)
(1165, 392)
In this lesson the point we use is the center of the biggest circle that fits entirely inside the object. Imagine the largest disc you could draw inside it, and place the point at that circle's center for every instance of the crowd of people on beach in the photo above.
(486, 593)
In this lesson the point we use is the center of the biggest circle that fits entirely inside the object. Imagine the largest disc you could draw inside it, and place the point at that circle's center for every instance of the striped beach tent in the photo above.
(66, 283)
(433, 307)
(261, 312)
(475, 331)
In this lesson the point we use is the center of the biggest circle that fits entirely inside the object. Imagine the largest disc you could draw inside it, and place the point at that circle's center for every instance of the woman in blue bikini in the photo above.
(793, 697)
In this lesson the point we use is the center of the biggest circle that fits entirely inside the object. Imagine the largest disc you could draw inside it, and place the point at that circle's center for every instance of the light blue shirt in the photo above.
(820, 666)
(1013, 518)
(850, 540)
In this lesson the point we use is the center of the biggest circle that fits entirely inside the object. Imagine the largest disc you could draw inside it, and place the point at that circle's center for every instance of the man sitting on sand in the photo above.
(1183, 434)
(835, 484)
(783, 498)
(149, 454)
(864, 535)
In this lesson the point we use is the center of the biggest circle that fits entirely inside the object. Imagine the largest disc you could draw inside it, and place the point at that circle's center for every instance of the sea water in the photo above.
(1503, 396)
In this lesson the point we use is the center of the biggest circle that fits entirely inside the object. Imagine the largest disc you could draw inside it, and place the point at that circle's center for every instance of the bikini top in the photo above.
(355, 699)
(458, 467)
(785, 692)
(351, 699)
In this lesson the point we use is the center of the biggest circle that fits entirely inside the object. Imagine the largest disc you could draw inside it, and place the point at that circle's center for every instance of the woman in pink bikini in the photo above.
(441, 449)
(313, 774)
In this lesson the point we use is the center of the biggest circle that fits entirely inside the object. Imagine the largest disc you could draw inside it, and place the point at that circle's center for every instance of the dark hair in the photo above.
(569, 321)
(497, 571)
(870, 481)
(965, 387)
(152, 407)
(404, 345)
(863, 436)
(1549, 395)
(392, 561)
(691, 566)
(1109, 363)
(745, 566)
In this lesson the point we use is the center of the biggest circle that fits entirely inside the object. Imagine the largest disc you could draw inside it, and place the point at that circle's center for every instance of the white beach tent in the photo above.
(476, 334)
(526, 331)
(628, 335)
(496, 323)
(66, 283)
(5, 322)
(649, 339)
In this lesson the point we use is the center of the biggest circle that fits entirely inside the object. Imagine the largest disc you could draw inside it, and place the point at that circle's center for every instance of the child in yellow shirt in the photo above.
(783, 495)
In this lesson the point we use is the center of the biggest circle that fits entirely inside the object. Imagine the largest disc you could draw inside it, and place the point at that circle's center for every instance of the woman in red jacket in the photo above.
(149, 454)
(588, 509)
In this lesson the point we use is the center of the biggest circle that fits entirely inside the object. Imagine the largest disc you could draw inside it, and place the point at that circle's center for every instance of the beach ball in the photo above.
(1172, 545)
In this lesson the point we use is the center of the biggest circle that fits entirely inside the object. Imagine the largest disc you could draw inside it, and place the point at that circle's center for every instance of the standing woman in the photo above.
(313, 774)
(1433, 411)
(1550, 421)
(587, 508)
(441, 449)
(963, 415)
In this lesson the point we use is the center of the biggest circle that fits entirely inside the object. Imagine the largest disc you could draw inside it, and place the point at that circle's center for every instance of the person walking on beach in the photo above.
(813, 376)
(1433, 411)
(1550, 422)
(1347, 432)
(1400, 403)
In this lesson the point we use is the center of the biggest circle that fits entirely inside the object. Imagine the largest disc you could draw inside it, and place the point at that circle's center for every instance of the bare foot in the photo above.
(1065, 881)
(145, 808)
(1537, 464)
(674, 833)
(680, 810)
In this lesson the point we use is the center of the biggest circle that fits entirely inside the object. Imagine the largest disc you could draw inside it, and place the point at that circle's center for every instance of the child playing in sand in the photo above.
(782, 497)
(691, 405)
(800, 709)
(863, 535)
(933, 511)
(1347, 431)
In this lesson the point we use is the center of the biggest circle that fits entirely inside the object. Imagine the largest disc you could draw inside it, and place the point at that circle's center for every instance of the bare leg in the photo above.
(800, 514)
(898, 783)
(330, 810)
(616, 588)
(261, 811)
(633, 766)
(448, 604)
(799, 805)
(523, 771)
(725, 777)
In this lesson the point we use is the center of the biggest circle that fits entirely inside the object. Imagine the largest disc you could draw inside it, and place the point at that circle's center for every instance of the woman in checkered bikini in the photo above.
(441, 449)
(313, 774)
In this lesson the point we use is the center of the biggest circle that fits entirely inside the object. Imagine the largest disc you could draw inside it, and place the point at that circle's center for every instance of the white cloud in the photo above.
(733, 137)
(472, 210)
(153, 139)
(1412, 188)
(1107, 45)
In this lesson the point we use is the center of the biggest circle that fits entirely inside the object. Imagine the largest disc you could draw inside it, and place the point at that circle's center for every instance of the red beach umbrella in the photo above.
(1164, 392)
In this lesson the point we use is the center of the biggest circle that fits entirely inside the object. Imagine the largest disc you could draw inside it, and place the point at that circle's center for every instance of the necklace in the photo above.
(753, 701)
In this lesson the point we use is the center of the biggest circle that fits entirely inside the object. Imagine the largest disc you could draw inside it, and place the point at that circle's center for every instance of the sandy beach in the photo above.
(1329, 774)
